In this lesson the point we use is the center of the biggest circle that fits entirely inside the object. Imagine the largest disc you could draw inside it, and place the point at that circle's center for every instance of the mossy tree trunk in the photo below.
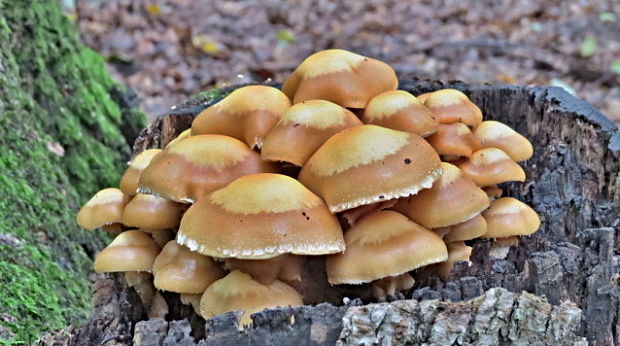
(60, 115)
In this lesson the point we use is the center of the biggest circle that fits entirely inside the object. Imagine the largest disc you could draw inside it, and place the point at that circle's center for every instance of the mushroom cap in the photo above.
(238, 291)
(457, 251)
(304, 128)
(451, 106)
(285, 267)
(177, 269)
(199, 165)
(129, 181)
(399, 110)
(261, 216)
(130, 251)
(104, 208)
(368, 164)
(508, 217)
(422, 97)
(185, 134)
(247, 114)
(454, 139)
(494, 134)
(339, 76)
(152, 212)
(384, 243)
(453, 199)
(470, 229)
(491, 166)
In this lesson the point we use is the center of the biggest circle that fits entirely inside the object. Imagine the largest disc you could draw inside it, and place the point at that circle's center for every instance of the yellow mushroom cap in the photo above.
(399, 110)
(129, 181)
(152, 212)
(199, 165)
(177, 269)
(491, 166)
(384, 243)
(508, 216)
(304, 128)
(368, 164)
(451, 106)
(454, 139)
(238, 291)
(185, 134)
(247, 114)
(104, 208)
(285, 267)
(261, 216)
(494, 134)
(457, 251)
(470, 229)
(339, 76)
(130, 251)
(422, 97)
(453, 199)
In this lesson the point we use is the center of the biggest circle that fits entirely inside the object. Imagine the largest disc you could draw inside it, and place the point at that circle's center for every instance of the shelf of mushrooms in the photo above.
(339, 164)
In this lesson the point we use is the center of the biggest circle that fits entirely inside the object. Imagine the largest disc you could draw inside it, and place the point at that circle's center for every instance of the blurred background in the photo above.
(167, 50)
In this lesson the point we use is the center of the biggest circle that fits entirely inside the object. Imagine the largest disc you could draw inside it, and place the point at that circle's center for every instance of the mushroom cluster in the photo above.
(337, 164)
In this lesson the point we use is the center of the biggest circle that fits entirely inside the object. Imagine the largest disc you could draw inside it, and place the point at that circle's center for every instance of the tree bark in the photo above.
(559, 286)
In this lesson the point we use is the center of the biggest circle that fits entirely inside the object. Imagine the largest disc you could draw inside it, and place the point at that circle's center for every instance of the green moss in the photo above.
(53, 92)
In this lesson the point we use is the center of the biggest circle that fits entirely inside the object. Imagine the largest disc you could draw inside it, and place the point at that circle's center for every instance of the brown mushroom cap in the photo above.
(384, 244)
(285, 267)
(104, 208)
(177, 269)
(152, 212)
(247, 114)
(304, 128)
(199, 165)
(129, 181)
(130, 251)
(238, 291)
(454, 140)
(453, 199)
(185, 134)
(470, 229)
(451, 106)
(399, 110)
(339, 76)
(457, 251)
(491, 166)
(367, 164)
(261, 216)
(508, 216)
(494, 134)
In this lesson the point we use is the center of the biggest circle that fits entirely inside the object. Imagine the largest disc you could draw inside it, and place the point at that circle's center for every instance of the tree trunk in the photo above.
(60, 115)
(559, 286)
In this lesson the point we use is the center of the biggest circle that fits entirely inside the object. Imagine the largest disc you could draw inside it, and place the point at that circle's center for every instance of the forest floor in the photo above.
(169, 49)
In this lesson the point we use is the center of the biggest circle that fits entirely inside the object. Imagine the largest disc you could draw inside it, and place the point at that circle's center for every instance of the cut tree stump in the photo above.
(559, 286)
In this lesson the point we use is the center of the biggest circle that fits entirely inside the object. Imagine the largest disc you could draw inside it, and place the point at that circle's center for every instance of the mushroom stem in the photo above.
(113, 229)
(142, 283)
(493, 191)
(457, 251)
(159, 307)
(191, 299)
(501, 246)
(390, 286)
(285, 267)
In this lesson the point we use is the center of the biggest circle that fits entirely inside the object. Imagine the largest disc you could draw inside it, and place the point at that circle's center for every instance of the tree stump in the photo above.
(559, 286)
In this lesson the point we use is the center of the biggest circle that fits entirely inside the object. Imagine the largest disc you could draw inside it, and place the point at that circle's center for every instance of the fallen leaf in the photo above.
(589, 46)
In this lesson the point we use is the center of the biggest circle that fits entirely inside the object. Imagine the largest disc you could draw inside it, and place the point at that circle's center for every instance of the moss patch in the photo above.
(60, 142)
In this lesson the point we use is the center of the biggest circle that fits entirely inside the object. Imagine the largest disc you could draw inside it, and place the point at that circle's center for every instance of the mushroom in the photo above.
(399, 110)
(185, 134)
(381, 245)
(457, 251)
(391, 286)
(261, 216)
(160, 236)
(159, 307)
(339, 76)
(491, 166)
(129, 181)
(453, 199)
(494, 134)
(368, 164)
(303, 129)
(422, 97)
(493, 191)
(287, 268)
(177, 269)
(470, 229)
(352, 215)
(247, 114)
(151, 212)
(454, 140)
(105, 208)
(199, 165)
(238, 291)
(451, 106)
